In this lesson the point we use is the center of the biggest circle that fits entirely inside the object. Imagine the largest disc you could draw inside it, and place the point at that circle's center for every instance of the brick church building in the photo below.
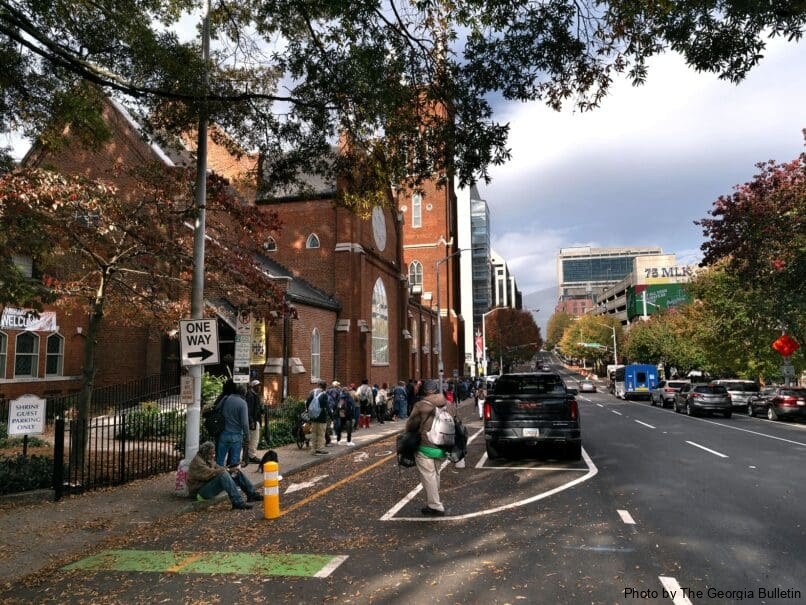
(363, 290)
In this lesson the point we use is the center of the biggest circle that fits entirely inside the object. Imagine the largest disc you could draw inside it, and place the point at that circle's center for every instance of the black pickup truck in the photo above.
(531, 409)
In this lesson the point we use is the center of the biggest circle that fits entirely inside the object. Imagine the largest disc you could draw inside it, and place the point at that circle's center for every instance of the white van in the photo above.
(740, 391)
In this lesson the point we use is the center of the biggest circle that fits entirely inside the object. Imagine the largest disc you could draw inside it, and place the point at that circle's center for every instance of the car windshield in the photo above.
(746, 387)
(712, 389)
(537, 384)
(676, 385)
(794, 392)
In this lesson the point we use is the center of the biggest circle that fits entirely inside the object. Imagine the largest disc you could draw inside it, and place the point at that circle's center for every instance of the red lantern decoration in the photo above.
(785, 345)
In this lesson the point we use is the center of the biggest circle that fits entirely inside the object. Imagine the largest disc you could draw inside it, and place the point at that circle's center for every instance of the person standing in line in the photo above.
(206, 479)
(344, 416)
(236, 425)
(254, 407)
(401, 401)
(333, 392)
(428, 455)
(318, 421)
(356, 407)
(366, 402)
(380, 403)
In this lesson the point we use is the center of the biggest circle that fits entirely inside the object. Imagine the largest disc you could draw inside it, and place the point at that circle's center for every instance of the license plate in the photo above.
(531, 432)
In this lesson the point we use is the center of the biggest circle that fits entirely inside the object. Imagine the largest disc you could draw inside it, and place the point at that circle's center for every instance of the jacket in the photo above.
(422, 416)
(200, 472)
(236, 416)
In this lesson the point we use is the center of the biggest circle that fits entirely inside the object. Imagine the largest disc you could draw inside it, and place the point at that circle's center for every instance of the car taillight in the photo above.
(574, 409)
(789, 400)
(488, 410)
(696, 395)
(669, 390)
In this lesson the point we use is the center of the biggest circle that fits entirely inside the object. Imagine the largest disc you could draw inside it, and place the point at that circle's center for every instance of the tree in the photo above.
(512, 337)
(589, 337)
(556, 326)
(406, 83)
(758, 235)
(97, 250)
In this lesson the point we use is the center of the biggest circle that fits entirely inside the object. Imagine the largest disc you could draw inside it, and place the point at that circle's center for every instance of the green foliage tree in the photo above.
(556, 326)
(286, 78)
(758, 236)
(512, 336)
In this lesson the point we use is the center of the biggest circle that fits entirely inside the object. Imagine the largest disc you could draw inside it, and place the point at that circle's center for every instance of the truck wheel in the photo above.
(493, 451)
(574, 451)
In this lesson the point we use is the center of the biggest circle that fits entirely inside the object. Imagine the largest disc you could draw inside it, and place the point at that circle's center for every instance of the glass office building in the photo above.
(585, 269)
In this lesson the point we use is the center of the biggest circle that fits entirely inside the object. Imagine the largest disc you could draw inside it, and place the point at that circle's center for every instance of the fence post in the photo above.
(58, 459)
(122, 461)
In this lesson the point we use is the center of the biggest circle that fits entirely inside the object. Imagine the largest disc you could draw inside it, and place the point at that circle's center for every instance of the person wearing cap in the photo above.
(254, 408)
(428, 455)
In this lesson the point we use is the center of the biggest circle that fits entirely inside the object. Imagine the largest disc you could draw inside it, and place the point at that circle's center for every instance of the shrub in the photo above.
(20, 473)
(16, 440)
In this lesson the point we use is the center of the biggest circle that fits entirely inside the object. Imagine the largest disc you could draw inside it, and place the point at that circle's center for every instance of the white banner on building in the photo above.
(27, 319)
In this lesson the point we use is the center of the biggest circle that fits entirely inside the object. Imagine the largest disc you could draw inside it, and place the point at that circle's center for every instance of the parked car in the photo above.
(665, 391)
(587, 386)
(740, 391)
(696, 399)
(532, 409)
(779, 403)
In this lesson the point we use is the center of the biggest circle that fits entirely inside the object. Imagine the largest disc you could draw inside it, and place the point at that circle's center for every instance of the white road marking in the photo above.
(702, 447)
(626, 517)
(672, 587)
(615, 412)
(600, 405)
(389, 515)
(330, 567)
(294, 487)
(645, 424)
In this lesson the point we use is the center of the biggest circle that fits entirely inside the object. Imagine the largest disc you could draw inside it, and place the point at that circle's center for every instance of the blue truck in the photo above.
(635, 381)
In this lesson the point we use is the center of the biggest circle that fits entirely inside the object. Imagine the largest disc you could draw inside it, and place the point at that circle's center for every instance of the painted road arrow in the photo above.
(298, 486)
(203, 353)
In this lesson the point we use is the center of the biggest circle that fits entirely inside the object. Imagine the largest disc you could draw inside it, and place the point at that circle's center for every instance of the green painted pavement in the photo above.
(157, 561)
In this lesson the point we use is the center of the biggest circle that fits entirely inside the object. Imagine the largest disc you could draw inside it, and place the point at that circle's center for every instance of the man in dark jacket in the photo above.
(206, 479)
(428, 455)
(236, 425)
(254, 408)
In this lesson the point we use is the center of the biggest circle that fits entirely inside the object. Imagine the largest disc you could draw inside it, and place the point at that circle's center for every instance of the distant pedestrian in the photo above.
(380, 403)
(236, 425)
(400, 401)
(206, 479)
(254, 408)
(428, 454)
(366, 401)
(318, 420)
(344, 416)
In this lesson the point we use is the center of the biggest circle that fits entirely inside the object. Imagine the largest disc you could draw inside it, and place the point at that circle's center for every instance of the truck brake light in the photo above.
(574, 409)
(488, 410)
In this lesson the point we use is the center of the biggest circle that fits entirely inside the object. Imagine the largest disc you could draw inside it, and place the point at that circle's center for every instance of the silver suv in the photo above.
(740, 391)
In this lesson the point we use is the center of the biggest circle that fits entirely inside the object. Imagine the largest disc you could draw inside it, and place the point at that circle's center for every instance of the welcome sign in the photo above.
(28, 320)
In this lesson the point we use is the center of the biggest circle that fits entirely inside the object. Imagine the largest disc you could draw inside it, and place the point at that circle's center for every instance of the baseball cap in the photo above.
(254, 383)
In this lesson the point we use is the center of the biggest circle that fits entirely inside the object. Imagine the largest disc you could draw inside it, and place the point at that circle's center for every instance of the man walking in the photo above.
(428, 454)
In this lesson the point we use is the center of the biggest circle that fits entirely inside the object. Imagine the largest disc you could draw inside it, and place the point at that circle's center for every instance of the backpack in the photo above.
(364, 392)
(443, 429)
(315, 408)
(406, 446)
(214, 419)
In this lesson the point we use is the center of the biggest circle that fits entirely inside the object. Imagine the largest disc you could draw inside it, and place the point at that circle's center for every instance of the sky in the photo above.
(642, 168)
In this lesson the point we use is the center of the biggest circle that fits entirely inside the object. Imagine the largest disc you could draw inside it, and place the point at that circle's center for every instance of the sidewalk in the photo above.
(34, 529)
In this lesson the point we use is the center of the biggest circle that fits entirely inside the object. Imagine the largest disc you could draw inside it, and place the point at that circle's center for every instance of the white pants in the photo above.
(254, 441)
(429, 477)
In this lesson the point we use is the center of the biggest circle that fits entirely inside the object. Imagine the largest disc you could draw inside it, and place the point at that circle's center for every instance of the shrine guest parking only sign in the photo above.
(198, 341)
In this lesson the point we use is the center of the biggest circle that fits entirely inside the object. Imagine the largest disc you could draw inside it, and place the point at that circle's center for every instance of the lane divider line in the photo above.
(330, 567)
(615, 412)
(600, 405)
(673, 589)
(645, 424)
(626, 517)
(702, 447)
(736, 428)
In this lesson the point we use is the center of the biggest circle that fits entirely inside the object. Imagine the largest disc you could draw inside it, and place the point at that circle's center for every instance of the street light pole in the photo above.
(615, 346)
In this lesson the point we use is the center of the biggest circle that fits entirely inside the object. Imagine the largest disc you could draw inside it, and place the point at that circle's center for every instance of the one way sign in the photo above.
(198, 341)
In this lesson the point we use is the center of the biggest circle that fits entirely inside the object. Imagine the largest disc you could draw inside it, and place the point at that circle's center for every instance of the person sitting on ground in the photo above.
(206, 479)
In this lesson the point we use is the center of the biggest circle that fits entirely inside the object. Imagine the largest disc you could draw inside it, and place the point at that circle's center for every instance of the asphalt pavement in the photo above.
(36, 533)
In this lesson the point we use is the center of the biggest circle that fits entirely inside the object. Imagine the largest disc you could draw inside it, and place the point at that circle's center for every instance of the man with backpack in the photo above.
(318, 414)
(366, 403)
(435, 422)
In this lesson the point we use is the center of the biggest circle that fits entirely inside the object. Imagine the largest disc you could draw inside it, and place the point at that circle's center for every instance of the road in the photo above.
(661, 503)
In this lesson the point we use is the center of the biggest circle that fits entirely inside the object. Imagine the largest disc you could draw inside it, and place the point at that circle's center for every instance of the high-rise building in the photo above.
(505, 291)
(583, 272)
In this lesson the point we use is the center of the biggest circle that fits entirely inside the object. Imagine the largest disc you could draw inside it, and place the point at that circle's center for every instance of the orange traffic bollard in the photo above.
(271, 490)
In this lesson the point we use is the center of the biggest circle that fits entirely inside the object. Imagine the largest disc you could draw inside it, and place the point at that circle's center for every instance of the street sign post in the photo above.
(243, 348)
(198, 339)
